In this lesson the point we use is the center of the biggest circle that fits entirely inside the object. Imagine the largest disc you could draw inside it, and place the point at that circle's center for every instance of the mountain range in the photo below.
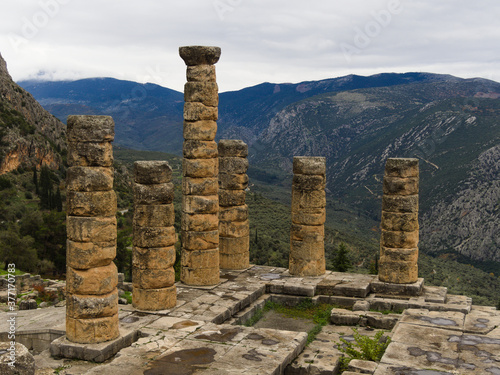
(451, 124)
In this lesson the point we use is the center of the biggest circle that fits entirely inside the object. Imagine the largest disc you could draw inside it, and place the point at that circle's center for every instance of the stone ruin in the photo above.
(91, 276)
(192, 326)
(153, 255)
(214, 224)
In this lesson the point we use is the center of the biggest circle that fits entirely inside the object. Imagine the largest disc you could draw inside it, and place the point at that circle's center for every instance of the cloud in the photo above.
(275, 41)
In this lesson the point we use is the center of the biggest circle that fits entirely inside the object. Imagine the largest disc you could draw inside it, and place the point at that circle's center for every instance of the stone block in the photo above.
(85, 255)
(98, 203)
(89, 179)
(309, 165)
(29, 304)
(196, 149)
(150, 172)
(199, 222)
(154, 236)
(362, 366)
(387, 288)
(397, 203)
(154, 299)
(200, 186)
(304, 182)
(239, 245)
(91, 229)
(200, 240)
(154, 215)
(307, 250)
(343, 317)
(200, 168)
(194, 204)
(233, 165)
(234, 229)
(202, 92)
(90, 154)
(397, 272)
(153, 278)
(231, 181)
(24, 360)
(361, 306)
(83, 128)
(308, 199)
(199, 112)
(91, 331)
(232, 198)
(314, 233)
(233, 213)
(407, 222)
(154, 194)
(200, 55)
(400, 186)
(392, 239)
(233, 147)
(91, 306)
(94, 281)
(309, 216)
(238, 261)
(401, 167)
(201, 73)
(155, 258)
(200, 130)
(301, 267)
(200, 258)
(200, 276)
(399, 255)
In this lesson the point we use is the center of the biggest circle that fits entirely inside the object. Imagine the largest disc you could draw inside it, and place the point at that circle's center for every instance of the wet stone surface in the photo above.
(182, 362)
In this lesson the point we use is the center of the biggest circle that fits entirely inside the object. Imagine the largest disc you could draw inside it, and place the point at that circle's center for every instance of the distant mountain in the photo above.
(29, 135)
(451, 124)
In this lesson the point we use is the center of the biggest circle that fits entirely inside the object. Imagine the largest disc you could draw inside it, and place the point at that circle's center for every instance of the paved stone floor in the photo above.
(436, 333)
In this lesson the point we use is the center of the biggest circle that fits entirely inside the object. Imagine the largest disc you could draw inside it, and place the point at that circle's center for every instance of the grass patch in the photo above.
(128, 296)
(319, 314)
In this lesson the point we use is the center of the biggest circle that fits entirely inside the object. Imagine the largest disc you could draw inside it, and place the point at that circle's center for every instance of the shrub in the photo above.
(363, 347)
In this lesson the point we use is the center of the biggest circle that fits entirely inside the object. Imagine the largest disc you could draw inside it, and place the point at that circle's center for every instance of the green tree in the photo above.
(341, 262)
(17, 249)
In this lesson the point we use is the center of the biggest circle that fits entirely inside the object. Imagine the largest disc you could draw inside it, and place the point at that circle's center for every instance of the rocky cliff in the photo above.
(29, 135)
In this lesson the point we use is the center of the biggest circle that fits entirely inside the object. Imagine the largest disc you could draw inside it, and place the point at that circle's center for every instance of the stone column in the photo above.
(234, 242)
(307, 237)
(153, 256)
(399, 238)
(200, 199)
(91, 277)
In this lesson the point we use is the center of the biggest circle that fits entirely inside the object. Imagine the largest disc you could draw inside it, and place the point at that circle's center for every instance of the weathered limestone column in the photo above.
(200, 200)
(91, 277)
(153, 255)
(307, 237)
(234, 230)
(399, 239)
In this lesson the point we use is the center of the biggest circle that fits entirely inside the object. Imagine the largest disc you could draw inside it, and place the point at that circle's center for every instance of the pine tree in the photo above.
(58, 201)
(35, 181)
(341, 262)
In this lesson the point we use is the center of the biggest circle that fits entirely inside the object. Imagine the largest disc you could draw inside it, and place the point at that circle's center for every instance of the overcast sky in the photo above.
(262, 40)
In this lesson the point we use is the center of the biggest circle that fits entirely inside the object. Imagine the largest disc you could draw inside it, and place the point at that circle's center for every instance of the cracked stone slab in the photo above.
(437, 339)
(384, 369)
(435, 294)
(481, 320)
(413, 356)
(450, 320)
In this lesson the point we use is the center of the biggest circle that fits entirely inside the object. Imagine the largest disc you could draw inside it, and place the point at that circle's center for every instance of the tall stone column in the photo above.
(91, 277)
(307, 237)
(200, 199)
(153, 256)
(234, 242)
(399, 238)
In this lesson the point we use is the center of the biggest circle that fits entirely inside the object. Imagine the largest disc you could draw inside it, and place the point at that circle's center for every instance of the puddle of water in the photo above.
(270, 276)
(184, 324)
(224, 335)
(182, 362)
(439, 321)
(254, 355)
(254, 336)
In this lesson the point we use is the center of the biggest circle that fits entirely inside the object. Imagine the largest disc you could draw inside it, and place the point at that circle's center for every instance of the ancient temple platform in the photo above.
(433, 330)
